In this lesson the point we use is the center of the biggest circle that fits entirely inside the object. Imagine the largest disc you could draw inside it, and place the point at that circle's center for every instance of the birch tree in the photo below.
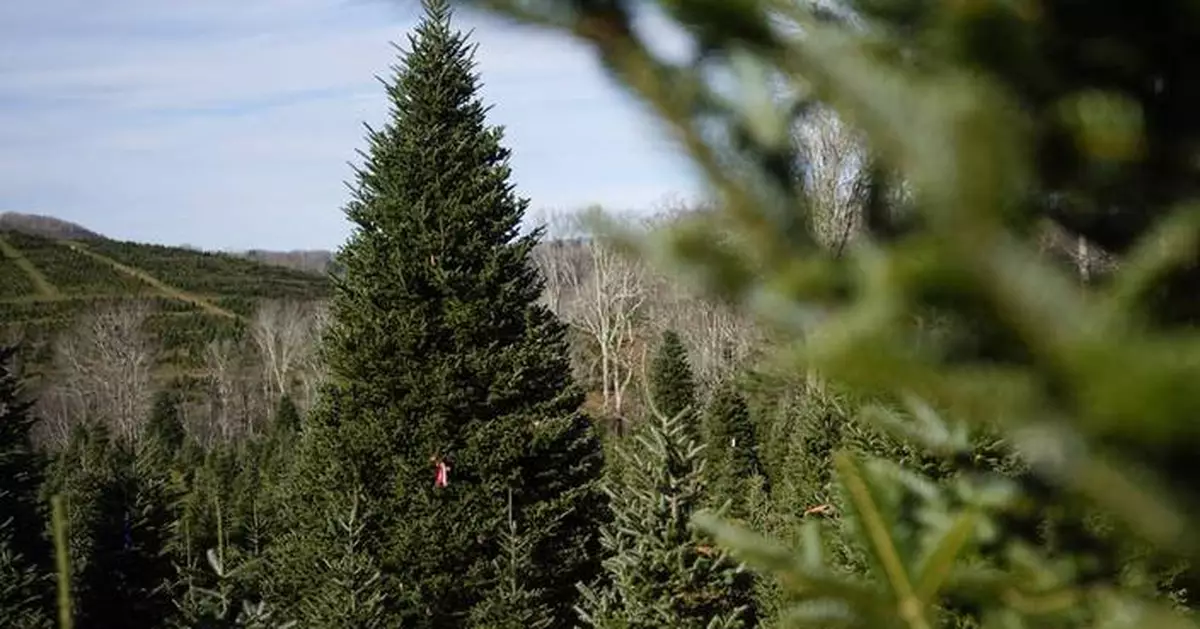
(221, 365)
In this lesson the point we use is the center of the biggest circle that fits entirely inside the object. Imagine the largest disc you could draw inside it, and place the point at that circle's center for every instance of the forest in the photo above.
(924, 358)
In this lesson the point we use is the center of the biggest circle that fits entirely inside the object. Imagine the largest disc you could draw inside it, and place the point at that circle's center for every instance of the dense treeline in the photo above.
(928, 421)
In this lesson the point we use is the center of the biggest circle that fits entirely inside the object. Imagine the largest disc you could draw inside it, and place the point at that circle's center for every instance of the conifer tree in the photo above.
(350, 594)
(512, 604)
(23, 552)
(119, 526)
(672, 386)
(165, 428)
(731, 447)
(287, 417)
(440, 354)
(660, 572)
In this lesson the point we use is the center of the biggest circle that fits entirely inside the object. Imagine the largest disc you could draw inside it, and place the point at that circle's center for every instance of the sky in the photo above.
(231, 124)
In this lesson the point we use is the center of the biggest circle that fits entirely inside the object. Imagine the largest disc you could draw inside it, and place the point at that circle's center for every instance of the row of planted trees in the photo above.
(941, 428)
(446, 475)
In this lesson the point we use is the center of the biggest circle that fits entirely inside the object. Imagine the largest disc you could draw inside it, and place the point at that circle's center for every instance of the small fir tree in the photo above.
(660, 572)
(287, 417)
(513, 604)
(439, 353)
(350, 593)
(120, 521)
(165, 427)
(672, 386)
(732, 448)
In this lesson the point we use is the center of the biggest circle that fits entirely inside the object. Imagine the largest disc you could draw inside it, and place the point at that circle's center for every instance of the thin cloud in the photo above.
(228, 124)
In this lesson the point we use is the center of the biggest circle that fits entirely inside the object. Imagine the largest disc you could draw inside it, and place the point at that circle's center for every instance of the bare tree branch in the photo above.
(107, 362)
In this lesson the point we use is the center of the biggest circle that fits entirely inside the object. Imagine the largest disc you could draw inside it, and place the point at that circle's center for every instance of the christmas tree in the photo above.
(660, 572)
(672, 387)
(450, 385)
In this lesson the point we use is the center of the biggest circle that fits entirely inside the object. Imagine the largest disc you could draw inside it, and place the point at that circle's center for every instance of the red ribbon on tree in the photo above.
(441, 476)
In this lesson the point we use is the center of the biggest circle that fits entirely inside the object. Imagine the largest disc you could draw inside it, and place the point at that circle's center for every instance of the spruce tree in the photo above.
(660, 572)
(672, 386)
(24, 555)
(439, 352)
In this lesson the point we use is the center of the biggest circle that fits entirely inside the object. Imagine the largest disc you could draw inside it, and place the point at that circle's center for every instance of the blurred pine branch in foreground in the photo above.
(981, 121)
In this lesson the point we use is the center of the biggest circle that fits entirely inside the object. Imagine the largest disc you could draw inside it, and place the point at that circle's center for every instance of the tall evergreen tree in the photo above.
(439, 353)
(672, 386)
(660, 573)
(24, 554)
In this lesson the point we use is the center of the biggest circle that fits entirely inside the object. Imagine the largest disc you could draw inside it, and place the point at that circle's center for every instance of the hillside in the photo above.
(46, 226)
(46, 283)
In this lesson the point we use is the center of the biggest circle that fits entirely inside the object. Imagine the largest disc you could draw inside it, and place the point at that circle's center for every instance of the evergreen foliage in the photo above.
(979, 122)
(512, 604)
(672, 386)
(119, 517)
(165, 426)
(660, 572)
(287, 417)
(350, 592)
(439, 352)
(949, 430)
(731, 448)
(24, 553)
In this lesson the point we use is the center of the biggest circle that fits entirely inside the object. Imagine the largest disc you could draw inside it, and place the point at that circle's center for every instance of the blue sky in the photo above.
(228, 124)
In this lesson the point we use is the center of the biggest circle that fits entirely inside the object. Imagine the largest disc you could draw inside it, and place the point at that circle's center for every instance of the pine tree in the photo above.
(660, 572)
(24, 555)
(731, 448)
(672, 387)
(439, 353)
(165, 428)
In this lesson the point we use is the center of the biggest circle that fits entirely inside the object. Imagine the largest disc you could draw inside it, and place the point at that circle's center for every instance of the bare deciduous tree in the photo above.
(311, 370)
(105, 369)
(834, 176)
(281, 331)
(229, 414)
(716, 335)
(600, 292)
(59, 408)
